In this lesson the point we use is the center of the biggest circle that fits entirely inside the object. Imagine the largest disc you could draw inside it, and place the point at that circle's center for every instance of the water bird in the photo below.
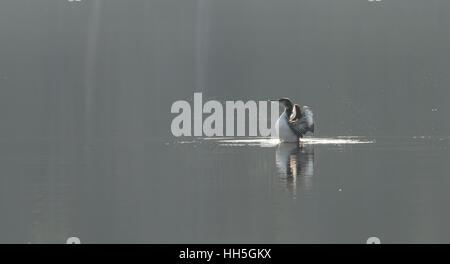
(294, 122)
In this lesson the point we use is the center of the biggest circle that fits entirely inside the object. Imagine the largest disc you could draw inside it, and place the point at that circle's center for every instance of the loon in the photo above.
(294, 122)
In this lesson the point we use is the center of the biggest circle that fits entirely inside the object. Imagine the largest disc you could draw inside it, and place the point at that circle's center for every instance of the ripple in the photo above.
(271, 142)
(336, 141)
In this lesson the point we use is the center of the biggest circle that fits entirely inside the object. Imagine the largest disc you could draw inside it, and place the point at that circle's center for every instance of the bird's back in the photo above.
(304, 122)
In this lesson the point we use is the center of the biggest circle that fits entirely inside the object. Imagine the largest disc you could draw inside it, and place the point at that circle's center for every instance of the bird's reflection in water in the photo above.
(295, 163)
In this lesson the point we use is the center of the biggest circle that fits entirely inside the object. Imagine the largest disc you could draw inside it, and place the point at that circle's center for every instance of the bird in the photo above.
(294, 122)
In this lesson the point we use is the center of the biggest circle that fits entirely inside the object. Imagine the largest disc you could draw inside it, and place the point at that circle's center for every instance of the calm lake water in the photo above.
(227, 190)
(86, 150)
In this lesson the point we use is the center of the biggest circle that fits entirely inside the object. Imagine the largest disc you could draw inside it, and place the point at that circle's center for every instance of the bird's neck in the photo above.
(289, 107)
(288, 111)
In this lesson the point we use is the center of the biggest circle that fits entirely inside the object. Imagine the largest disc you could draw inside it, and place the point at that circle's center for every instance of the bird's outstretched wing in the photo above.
(297, 112)
(304, 123)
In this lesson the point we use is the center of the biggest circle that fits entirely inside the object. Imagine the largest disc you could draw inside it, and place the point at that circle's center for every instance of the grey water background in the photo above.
(85, 143)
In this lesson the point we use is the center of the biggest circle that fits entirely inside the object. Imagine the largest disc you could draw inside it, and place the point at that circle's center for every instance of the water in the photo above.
(227, 190)
(86, 150)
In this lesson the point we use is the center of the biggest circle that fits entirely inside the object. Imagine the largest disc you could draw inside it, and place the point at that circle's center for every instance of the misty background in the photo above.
(85, 143)
(111, 69)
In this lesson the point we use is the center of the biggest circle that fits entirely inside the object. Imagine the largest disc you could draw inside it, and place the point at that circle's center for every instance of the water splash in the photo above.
(261, 142)
(272, 142)
(336, 141)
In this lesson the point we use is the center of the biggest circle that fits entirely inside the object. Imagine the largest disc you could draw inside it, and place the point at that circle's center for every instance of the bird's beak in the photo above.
(272, 100)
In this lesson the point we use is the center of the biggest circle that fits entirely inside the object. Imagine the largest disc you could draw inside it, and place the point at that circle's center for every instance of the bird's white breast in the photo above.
(284, 131)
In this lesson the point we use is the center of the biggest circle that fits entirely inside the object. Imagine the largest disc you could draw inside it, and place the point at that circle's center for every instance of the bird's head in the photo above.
(286, 102)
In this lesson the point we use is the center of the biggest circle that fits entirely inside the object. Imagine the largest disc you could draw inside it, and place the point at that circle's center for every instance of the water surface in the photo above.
(224, 190)
(86, 150)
